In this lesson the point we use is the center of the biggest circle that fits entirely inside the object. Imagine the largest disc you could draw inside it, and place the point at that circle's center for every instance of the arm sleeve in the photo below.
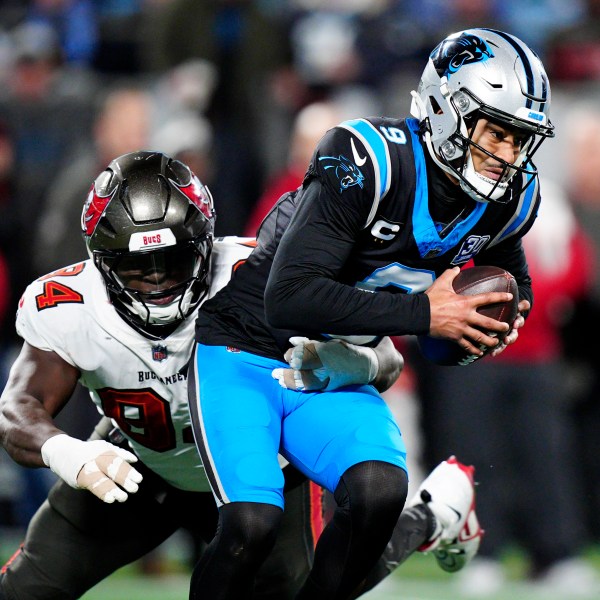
(304, 288)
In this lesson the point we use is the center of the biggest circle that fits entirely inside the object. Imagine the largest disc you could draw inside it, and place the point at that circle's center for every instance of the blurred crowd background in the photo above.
(242, 90)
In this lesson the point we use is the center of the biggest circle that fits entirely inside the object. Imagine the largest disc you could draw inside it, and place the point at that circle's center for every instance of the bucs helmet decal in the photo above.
(94, 208)
(198, 195)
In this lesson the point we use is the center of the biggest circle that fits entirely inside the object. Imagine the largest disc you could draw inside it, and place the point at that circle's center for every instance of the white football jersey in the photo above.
(139, 383)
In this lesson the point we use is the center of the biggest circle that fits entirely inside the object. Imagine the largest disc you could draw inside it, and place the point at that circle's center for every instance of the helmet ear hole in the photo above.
(436, 109)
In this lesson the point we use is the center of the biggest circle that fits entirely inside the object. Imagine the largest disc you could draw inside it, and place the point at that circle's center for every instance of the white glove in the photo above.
(97, 466)
(326, 365)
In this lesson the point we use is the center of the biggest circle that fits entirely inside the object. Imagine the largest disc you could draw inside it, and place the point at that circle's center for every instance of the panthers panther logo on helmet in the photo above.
(454, 52)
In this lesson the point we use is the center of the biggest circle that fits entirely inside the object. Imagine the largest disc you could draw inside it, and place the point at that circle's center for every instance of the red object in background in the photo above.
(554, 292)
(285, 182)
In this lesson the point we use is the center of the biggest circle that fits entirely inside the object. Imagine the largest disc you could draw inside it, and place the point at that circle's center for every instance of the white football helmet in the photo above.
(482, 73)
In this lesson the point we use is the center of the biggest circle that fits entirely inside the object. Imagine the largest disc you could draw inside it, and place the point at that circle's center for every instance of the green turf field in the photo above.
(418, 579)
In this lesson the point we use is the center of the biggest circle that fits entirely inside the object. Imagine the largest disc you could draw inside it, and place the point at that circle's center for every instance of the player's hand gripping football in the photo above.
(513, 334)
(455, 317)
(97, 466)
(333, 364)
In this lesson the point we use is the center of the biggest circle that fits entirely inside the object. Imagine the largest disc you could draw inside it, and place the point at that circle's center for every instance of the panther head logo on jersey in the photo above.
(347, 172)
(454, 52)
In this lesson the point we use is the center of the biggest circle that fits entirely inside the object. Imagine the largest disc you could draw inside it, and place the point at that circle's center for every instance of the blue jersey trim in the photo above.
(377, 148)
(425, 234)
(524, 211)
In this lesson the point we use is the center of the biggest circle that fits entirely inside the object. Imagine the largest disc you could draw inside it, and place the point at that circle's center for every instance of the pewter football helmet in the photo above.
(482, 73)
(148, 226)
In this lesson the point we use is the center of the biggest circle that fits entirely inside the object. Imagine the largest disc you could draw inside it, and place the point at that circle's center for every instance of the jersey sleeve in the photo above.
(353, 163)
(30, 327)
(228, 254)
(52, 318)
(307, 286)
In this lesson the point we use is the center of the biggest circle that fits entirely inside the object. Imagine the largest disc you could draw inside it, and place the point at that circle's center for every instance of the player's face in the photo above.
(499, 140)
(155, 273)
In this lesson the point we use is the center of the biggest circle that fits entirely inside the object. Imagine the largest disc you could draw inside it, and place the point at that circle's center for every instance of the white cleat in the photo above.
(449, 492)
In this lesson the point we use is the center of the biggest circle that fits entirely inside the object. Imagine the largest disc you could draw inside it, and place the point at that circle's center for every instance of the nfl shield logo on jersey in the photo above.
(159, 353)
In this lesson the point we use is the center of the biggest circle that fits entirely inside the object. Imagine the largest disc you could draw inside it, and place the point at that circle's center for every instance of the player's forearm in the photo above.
(318, 304)
(24, 426)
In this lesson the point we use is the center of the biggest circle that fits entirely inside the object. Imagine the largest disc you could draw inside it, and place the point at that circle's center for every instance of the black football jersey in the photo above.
(372, 226)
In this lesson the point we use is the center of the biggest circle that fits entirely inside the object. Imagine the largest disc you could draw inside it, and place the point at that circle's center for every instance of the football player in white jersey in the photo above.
(122, 324)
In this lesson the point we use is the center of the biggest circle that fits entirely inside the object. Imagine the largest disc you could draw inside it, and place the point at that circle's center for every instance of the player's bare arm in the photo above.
(39, 385)
(455, 317)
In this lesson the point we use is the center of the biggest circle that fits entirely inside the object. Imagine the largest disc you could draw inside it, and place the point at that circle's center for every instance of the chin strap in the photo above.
(485, 189)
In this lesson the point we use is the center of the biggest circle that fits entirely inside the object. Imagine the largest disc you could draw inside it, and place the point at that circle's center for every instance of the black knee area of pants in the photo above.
(247, 530)
(373, 492)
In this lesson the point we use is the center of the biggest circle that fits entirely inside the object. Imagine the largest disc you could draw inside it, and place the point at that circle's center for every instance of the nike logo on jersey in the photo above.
(360, 161)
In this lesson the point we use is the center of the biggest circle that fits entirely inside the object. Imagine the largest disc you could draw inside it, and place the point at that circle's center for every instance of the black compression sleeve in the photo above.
(302, 287)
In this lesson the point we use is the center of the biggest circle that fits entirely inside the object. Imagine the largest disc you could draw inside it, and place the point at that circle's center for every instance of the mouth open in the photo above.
(163, 300)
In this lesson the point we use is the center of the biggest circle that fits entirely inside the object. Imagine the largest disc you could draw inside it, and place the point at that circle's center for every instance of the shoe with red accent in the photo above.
(449, 492)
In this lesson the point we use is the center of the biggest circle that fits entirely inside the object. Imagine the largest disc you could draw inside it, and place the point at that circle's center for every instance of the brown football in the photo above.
(476, 280)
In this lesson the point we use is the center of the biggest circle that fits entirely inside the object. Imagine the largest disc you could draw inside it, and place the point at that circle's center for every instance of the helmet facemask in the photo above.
(158, 287)
(478, 186)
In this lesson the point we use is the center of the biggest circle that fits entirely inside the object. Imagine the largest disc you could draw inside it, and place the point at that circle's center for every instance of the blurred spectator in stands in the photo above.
(582, 165)
(47, 109)
(573, 52)
(582, 161)
(537, 22)
(74, 22)
(310, 125)
(10, 258)
(123, 124)
(189, 138)
(510, 416)
(121, 44)
(245, 44)
(377, 44)
(188, 87)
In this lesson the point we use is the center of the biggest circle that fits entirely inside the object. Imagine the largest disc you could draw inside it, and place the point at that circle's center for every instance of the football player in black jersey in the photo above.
(368, 246)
